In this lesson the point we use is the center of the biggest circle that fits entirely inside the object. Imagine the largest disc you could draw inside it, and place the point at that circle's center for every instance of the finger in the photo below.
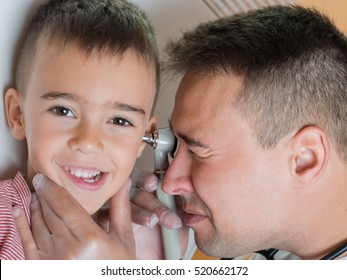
(146, 181)
(62, 213)
(143, 217)
(139, 216)
(120, 217)
(39, 228)
(148, 201)
(55, 225)
(28, 242)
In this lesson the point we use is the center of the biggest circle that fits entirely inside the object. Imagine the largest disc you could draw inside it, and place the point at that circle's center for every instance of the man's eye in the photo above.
(196, 155)
(62, 111)
(121, 122)
(193, 153)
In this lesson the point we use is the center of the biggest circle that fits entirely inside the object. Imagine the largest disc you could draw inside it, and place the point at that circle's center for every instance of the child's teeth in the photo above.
(90, 181)
(89, 176)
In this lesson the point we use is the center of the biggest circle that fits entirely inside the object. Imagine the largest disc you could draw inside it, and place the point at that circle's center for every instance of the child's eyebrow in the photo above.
(127, 107)
(57, 95)
(79, 99)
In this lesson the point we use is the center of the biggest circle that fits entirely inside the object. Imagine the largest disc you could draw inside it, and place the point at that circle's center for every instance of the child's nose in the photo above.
(87, 139)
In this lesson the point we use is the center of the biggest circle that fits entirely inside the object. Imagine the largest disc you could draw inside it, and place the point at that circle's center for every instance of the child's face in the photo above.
(84, 118)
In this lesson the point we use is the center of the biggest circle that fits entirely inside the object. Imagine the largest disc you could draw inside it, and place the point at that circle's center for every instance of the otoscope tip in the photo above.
(151, 138)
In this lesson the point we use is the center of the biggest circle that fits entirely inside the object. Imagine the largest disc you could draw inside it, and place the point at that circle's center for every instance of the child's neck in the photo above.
(29, 177)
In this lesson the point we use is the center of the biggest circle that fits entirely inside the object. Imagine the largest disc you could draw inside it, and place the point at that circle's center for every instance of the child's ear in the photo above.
(14, 114)
(311, 151)
(151, 126)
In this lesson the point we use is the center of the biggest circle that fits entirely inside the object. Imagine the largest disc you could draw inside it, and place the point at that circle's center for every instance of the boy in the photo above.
(86, 82)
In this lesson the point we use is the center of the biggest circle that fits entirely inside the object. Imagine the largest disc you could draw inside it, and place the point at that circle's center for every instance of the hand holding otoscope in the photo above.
(164, 142)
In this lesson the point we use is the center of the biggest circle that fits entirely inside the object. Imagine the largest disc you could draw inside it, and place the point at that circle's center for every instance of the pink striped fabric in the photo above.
(12, 192)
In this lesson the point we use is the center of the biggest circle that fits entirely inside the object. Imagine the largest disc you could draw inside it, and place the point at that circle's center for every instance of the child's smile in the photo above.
(86, 178)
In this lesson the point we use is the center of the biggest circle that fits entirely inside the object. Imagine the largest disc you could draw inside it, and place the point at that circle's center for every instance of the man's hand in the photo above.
(62, 229)
(146, 209)
(147, 213)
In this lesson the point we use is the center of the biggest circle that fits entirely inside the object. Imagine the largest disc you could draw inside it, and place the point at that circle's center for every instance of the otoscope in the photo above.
(164, 143)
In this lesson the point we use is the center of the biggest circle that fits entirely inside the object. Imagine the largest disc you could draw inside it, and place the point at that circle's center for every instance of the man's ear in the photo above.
(311, 151)
(151, 126)
(14, 114)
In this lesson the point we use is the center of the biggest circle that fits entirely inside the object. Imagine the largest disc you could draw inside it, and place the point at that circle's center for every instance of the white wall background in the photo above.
(13, 17)
(169, 17)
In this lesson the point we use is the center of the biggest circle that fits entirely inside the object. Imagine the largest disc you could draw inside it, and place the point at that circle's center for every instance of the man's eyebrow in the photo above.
(188, 140)
(76, 98)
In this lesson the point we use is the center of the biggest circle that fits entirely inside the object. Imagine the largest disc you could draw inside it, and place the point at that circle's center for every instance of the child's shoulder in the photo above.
(15, 191)
(17, 181)
(12, 192)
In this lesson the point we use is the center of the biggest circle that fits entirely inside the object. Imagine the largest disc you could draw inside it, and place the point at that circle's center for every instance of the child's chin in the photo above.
(95, 208)
(92, 211)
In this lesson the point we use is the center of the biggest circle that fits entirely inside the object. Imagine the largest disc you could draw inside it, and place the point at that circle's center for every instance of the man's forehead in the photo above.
(206, 94)
(205, 101)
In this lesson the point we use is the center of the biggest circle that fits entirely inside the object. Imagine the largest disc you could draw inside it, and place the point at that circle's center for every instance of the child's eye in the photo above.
(62, 111)
(121, 122)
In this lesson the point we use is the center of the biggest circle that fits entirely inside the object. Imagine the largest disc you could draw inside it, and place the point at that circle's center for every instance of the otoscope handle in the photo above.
(171, 242)
(164, 142)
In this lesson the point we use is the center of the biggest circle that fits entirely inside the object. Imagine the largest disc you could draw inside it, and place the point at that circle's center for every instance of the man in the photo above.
(261, 119)
(260, 115)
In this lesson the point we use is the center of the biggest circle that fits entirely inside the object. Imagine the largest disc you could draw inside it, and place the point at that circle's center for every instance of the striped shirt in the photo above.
(12, 192)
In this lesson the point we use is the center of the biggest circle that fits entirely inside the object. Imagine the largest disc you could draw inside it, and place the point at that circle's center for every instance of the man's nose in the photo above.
(178, 178)
(87, 139)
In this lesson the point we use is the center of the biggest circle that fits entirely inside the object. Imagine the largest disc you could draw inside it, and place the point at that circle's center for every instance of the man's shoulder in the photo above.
(270, 254)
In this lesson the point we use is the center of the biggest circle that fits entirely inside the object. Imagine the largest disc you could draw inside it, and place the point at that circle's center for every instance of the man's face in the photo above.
(84, 120)
(227, 181)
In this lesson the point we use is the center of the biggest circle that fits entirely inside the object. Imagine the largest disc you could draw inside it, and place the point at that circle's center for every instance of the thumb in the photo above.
(120, 217)
(23, 227)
